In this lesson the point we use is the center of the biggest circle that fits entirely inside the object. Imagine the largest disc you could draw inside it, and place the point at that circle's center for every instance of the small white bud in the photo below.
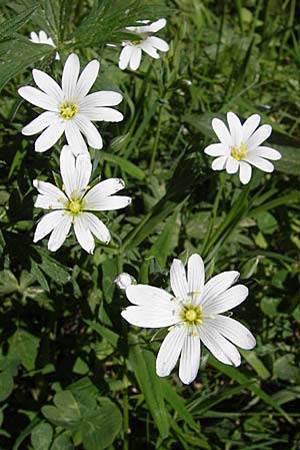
(123, 280)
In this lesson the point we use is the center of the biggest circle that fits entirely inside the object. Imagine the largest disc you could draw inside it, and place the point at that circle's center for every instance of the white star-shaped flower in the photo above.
(70, 109)
(240, 146)
(194, 314)
(42, 38)
(76, 203)
(131, 53)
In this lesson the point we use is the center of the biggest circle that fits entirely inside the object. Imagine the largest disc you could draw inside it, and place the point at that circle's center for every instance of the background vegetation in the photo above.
(73, 374)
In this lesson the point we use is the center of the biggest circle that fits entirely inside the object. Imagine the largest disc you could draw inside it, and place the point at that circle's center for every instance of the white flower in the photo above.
(68, 108)
(75, 204)
(194, 315)
(123, 280)
(131, 53)
(240, 146)
(42, 38)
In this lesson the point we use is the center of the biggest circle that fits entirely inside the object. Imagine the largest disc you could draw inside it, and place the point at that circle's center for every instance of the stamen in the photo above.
(239, 152)
(192, 314)
(67, 110)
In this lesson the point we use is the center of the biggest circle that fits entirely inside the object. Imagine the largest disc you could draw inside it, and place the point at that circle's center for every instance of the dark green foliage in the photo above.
(73, 374)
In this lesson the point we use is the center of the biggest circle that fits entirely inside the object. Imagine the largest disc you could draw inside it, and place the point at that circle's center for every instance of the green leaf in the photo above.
(62, 442)
(41, 436)
(266, 223)
(11, 25)
(18, 54)
(52, 268)
(66, 412)
(103, 331)
(100, 429)
(8, 282)
(6, 385)
(243, 379)
(143, 364)
(24, 345)
(285, 368)
(167, 240)
(38, 274)
(290, 161)
(127, 166)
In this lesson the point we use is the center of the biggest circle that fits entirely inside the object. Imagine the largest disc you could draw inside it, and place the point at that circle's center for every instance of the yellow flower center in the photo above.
(192, 314)
(75, 206)
(136, 42)
(67, 110)
(239, 152)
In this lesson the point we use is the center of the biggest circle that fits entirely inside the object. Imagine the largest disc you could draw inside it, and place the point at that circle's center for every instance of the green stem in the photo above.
(157, 136)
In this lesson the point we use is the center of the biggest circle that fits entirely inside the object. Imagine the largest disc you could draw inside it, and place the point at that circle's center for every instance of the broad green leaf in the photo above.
(6, 385)
(41, 436)
(38, 274)
(8, 282)
(18, 54)
(100, 429)
(143, 364)
(62, 442)
(286, 368)
(24, 345)
(65, 413)
(290, 160)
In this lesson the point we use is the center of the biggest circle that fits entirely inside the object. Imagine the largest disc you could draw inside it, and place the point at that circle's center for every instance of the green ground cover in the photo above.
(73, 373)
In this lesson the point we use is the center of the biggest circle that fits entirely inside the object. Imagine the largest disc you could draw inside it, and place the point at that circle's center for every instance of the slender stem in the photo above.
(125, 418)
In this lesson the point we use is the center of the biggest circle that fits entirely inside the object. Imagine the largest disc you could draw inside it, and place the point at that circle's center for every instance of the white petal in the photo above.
(43, 36)
(169, 351)
(217, 150)
(97, 227)
(83, 171)
(89, 131)
(235, 128)
(158, 43)
(217, 285)
(260, 163)
(259, 136)
(38, 98)
(157, 25)
(47, 223)
(51, 197)
(125, 56)
(222, 132)
(250, 125)
(229, 299)
(135, 58)
(245, 172)
(189, 359)
(75, 138)
(266, 152)
(59, 233)
(100, 98)
(105, 188)
(34, 37)
(87, 78)
(195, 276)
(70, 76)
(222, 349)
(47, 84)
(83, 234)
(219, 163)
(109, 203)
(68, 170)
(234, 331)
(148, 296)
(147, 317)
(178, 279)
(40, 123)
(149, 49)
(232, 165)
(102, 113)
(50, 136)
